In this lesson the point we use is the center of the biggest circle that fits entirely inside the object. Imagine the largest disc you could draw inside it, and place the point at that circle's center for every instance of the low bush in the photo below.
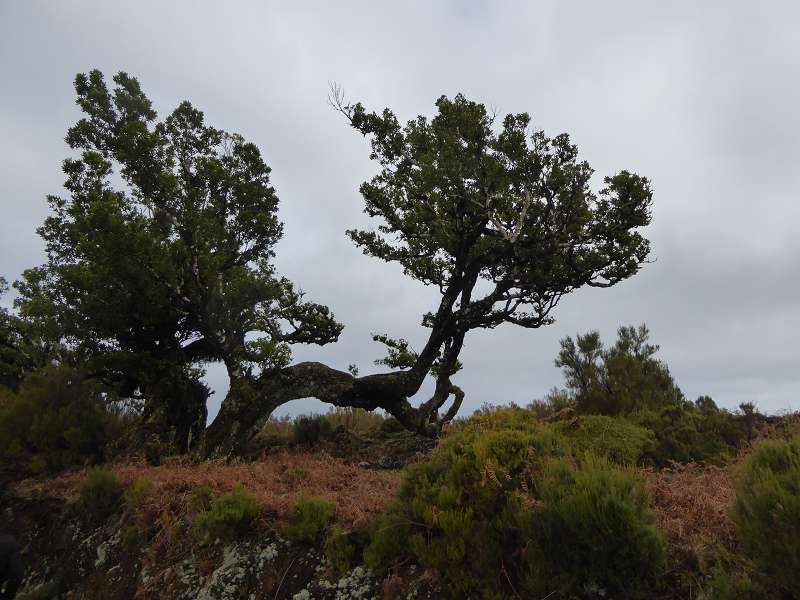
(767, 511)
(617, 439)
(310, 518)
(342, 548)
(56, 419)
(729, 584)
(229, 516)
(356, 420)
(131, 538)
(100, 494)
(591, 529)
(685, 433)
(200, 499)
(137, 492)
(504, 513)
(310, 430)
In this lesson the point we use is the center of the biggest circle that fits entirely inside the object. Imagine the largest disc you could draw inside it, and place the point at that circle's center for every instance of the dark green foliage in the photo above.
(310, 519)
(734, 584)
(627, 380)
(686, 433)
(471, 507)
(591, 531)
(229, 517)
(310, 430)
(620, 379)
(200, 499)
(150, 276)
(101, 494)
(343, 548)
(131, 538)
(767, 511)
(56, 419)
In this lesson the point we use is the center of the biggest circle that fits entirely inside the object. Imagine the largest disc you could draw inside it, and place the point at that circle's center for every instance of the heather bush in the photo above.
(591, 529)
(343, 548)
(686, 433)
(767, 511)
(137, 492)
(100, 494)
(310, 519)
(309, 430)
(200, 499)
(731, 584)
(56, 419)
(229, 516)
(616, 438)
(487, 512)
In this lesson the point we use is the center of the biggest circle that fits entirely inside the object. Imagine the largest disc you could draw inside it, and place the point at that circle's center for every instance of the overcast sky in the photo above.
(701, 97)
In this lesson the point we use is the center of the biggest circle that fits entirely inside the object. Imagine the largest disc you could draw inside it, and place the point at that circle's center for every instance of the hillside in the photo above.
(141, 536)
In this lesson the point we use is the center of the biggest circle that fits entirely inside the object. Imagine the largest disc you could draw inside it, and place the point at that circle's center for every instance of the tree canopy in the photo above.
(159, 257)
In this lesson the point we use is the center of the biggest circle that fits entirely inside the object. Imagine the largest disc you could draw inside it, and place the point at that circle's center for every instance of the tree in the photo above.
(158, 259)
(149, 278)
(617, 380)
(23, 348)
(501, 220)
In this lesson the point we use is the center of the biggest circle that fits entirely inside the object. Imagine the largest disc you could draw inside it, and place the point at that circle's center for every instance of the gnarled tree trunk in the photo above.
(250, 401)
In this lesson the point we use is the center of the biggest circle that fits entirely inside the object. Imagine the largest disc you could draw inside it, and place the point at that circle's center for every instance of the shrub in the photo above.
(767, 511)
(200, 499)
(137, 492)
(100, 493)
(229, 516)
(591, 529)
(685, 433)
(342, 548)
(55, 420)
(131, 539)
(617, 439)
(310, 430)
(469, 510)
(729, 584)
(310, 518)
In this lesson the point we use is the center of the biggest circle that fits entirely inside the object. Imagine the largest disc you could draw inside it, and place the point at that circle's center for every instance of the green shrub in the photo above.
(229, 516)
(729, 584)
(342, 548)
(137, 492)
(310, 518)
(617, 439)
(591, 529)
(472, 507)
(100, 493)
(686, 433)
(131, 539)
(310, 430)
(55, 420)
(767, 511)
(200, 499)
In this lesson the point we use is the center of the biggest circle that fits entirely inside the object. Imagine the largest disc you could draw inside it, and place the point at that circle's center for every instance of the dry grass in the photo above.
(277, 481)
(692, 505)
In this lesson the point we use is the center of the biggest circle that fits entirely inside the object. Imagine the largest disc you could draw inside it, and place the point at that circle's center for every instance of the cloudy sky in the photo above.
(702, 97)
